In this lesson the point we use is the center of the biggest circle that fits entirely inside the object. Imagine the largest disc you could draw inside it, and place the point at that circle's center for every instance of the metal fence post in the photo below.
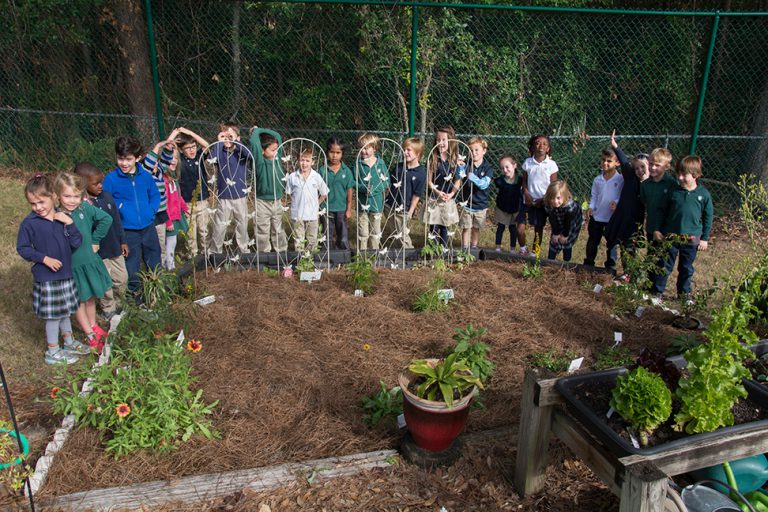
(704, 79)
(414, 49)
(153, 65)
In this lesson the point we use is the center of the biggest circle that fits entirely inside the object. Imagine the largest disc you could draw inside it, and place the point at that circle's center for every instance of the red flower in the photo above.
(194, 346)
(123, 410)
(54, 392)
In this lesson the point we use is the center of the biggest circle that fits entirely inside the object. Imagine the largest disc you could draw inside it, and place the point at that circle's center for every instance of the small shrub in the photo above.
(158, 287)
(361, 273)
(385, 403)
(551, 360)
(612, 357)
(464, 259)
(682, 343)
(446, 380)
(642, 399)
(429, 299)
(469, 348)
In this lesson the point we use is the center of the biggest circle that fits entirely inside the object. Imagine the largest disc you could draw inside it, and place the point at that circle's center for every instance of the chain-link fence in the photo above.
(73, 79)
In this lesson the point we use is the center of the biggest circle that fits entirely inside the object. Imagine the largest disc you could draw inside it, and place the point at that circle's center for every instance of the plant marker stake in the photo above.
(359, 293)
(575, 364)
(598, 288)
(639, 312)
(18, 432)
(617, 338)
(610, 412)
(401, 421)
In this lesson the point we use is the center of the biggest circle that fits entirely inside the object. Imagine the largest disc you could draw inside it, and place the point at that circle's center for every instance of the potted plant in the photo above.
(437, 393)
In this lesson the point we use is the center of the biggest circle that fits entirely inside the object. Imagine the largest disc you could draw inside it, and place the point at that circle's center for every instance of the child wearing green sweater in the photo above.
(270, 190)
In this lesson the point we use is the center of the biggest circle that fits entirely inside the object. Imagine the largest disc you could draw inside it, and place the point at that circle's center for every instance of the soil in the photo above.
(597, 397)
(289, 361)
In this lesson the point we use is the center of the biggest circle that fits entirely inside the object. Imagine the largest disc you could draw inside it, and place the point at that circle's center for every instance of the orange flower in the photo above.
(54, 392)
(123, 410)
(89, 407)
(194, 346)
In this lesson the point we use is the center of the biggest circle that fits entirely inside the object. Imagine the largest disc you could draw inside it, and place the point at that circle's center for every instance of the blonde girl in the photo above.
(565, 218)
(46, 239)
(88, 269)
(443, 183)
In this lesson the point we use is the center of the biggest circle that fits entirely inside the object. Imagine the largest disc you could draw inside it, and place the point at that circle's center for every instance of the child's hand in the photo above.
(527, 197)
(52, 263)
(95, 247)
(589, 214)
(612, 206)
(614, 145)
(63, 218)
(703, 245)
(124, 249)
(657, 236)
(348, 213)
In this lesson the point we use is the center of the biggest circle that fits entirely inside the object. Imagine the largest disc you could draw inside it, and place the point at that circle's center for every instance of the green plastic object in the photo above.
(24, 446)
(751, 473)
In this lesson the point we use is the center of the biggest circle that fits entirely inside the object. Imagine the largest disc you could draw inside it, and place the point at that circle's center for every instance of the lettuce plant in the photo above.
(642, 399)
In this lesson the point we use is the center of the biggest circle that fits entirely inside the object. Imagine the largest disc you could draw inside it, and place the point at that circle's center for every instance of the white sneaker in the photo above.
(498, 248)
(524, 251)
(657, 300)
(59, 356)
(77, 348)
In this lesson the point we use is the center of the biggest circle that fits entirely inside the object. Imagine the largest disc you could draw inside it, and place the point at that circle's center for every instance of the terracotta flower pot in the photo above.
(433, 425)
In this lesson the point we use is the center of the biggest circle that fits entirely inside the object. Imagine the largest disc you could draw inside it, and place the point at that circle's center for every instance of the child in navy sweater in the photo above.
(565, 217)
(475, 194)
(508, 201)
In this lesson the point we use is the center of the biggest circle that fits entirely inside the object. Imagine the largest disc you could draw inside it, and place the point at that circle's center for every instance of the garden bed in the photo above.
(289, 361)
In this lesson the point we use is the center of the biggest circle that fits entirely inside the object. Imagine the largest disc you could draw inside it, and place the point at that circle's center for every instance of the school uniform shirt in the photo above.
(689, 212)
(338, 184)
(270, 178)
(509, 195)
(655, 196)
(232, 178)
(189, 176)
(305, 194)
(566, 221)
(110, 245)
(476, 192)
(39, 237)
(445, 175)
(404, 184)
(372, 181)
(539, 174)
(629, 213)
(604, 192)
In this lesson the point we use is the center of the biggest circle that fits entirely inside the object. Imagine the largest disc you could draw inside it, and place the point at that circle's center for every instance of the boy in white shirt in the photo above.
(606, 190)
(307, 190)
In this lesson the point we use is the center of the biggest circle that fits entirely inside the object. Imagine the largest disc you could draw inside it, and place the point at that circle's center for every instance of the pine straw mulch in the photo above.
(289, 361)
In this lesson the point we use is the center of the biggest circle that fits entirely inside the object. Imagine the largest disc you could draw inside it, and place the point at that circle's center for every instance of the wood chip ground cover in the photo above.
(289, 361)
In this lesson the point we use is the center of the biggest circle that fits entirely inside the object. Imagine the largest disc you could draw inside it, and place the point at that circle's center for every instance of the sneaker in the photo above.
(498, 248)
(657, 299)
(59, 356)
(524, 251)
(77, 348)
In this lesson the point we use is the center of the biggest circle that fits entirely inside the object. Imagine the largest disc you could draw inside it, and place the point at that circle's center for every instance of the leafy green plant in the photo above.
(642, 399)
(626, 298)
(159, 287)
(444, 379)
(361, 273)
(429, 299)
(270, 272)
(551, 360)
(385, 403)
(142, 398)
(464, 259)
(533, 270)
(433, 251)
(474, 352)
(16, 470)
(697, 301)
(307, 260)
(682, 343)
(612, 357)
(753, 209)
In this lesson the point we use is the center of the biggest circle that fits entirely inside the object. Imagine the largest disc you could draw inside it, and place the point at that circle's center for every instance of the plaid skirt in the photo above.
(54, 299)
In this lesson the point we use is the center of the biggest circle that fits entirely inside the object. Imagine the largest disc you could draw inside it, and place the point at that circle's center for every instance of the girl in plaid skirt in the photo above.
(46, 239)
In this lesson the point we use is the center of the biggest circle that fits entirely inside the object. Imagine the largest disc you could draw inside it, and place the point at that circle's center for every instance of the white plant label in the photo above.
(401, 421)
(575, 364)
(610, 412)
(598, 288)
(445, 294)
(180, 338)
(310, 276)
(210, 299)
(632, 438)
(617, 338)
(359, 293)
(639, 312)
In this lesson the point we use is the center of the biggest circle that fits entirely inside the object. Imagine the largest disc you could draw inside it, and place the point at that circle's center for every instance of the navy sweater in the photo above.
(473, 196)
(509, 196)
(39, 237)
(109, 247)
(189, 175)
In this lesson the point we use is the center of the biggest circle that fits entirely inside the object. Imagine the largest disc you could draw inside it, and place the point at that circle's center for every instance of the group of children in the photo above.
(88, 234)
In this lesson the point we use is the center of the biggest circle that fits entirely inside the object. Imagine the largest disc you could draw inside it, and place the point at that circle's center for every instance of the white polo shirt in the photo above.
(305, 194)
(539, 174)
(603, 193)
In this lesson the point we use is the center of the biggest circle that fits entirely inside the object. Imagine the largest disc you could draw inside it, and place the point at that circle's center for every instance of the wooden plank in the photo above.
(533, 439)
(547, 394)
(205, 487)
(638, 495)
(701, 454)
(601, 462)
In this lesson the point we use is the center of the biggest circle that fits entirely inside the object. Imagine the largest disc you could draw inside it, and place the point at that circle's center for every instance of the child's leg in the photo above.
(203, 219)
(375, 230)
(279, 238)
(401, 223)
(342, 230)
(82, 316)
(299, 238)
(240, 210)
(161, 230)
(220, 223)
(90, 311)
(688, 252)
(363, 231)
(170, 251)
(263, 223)
(538, 231)
(150, 248)
(475, 237)
(595, 231)
(610, 255)
(521, 234)
(442, 234)
(311, 227)
(133, 260)
(52, 334)
(552, 254)
(668, 263)
(512, 236)
(500, 228)
(567, 253)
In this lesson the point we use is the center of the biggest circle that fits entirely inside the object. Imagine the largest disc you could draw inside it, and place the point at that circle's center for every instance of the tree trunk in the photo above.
(236, 66)
(133, 44)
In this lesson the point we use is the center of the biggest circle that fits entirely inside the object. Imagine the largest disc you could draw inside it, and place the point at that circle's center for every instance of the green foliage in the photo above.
(444, 380)
(474, 352)
(307, 261)
(270, 271)
(429, 299)
(385, 403)
(433, 251)
(612, 357)
(626, 298)
(141, 399)
(552, 360)
(753, 209)
(643, 399)
(16, 472)
(533, 270)
(682, 343)
(361, 273)
(464, 259)
(158, 287)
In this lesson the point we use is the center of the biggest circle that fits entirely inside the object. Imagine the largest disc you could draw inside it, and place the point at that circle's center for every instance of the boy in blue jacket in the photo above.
(137, 200)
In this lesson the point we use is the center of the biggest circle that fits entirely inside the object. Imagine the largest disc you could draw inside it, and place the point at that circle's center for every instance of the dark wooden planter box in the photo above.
(596, 424)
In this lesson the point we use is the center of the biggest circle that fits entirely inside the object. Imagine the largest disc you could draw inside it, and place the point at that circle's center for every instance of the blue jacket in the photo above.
(135, 195)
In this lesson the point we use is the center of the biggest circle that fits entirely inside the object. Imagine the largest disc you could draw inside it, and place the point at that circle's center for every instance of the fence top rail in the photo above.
(536, 8)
